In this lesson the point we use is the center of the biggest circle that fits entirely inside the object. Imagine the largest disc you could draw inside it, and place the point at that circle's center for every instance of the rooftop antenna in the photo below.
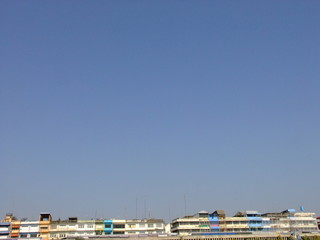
(136, 207)
(185, 205)
(145, 208)
(13, 205)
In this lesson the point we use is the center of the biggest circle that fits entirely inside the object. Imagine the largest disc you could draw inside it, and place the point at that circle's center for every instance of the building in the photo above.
(44, 225)
(73, 227)
(144, 226)
(63, 228)
(107, 227)
(9, 227)
(4, 230)
(85, 228)
(203, 222)
(29, 229)
(15, 229)
(99, 227)
(119, 227)
(291, 221)
(248, 221)
(198, 223)
(303, 222)
(253, 222)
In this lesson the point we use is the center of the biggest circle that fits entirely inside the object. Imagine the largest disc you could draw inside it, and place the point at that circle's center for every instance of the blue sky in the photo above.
(109, 105)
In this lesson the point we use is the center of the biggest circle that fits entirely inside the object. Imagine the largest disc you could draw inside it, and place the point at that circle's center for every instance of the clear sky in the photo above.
(118, 109)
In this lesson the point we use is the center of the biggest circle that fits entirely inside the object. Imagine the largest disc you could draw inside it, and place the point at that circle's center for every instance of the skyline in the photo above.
(105, 103)
(145, 215)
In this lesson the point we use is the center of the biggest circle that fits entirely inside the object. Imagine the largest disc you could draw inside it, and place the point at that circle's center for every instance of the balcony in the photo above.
(44, 223)
(44, 230)
(14, 235)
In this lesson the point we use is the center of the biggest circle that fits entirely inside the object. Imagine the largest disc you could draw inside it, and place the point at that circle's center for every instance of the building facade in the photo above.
(292, 221)
(247, 221)
(198, 223)
(63, 228)
(4, 230)
(144, 226)
(15, 229)
(202, 223)
(44, 225)
(29, 229)
(107, 227)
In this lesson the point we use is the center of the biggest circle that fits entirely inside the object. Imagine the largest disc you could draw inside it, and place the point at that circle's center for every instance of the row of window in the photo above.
(90, 226)
(245, 222)
(33, 235)
(144, 225)
(226, 223)
(62, 235)
(226, 230)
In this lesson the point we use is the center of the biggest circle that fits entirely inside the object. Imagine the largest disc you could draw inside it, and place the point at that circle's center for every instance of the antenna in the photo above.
(185, 205)
(145, 208)
(136, 207)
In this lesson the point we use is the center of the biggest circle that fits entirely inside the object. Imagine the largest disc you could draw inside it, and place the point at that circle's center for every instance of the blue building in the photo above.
(108, 227)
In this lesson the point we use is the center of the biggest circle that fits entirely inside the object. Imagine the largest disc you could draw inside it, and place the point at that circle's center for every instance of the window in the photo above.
(150, 225)
(107, 225)
(118, 225)
(142, 225)
(81, 226)
(90, 226)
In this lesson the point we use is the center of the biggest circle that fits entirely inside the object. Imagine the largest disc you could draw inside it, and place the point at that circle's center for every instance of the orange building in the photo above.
(15, 229)
(44, 225)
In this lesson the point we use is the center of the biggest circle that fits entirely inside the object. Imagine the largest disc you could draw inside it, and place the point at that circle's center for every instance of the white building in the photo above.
(72, 228)
(4, 230)
(198, 223)
(303, 222)
(29, 229)
(292, 221)
(85, 228)
(144, 226)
